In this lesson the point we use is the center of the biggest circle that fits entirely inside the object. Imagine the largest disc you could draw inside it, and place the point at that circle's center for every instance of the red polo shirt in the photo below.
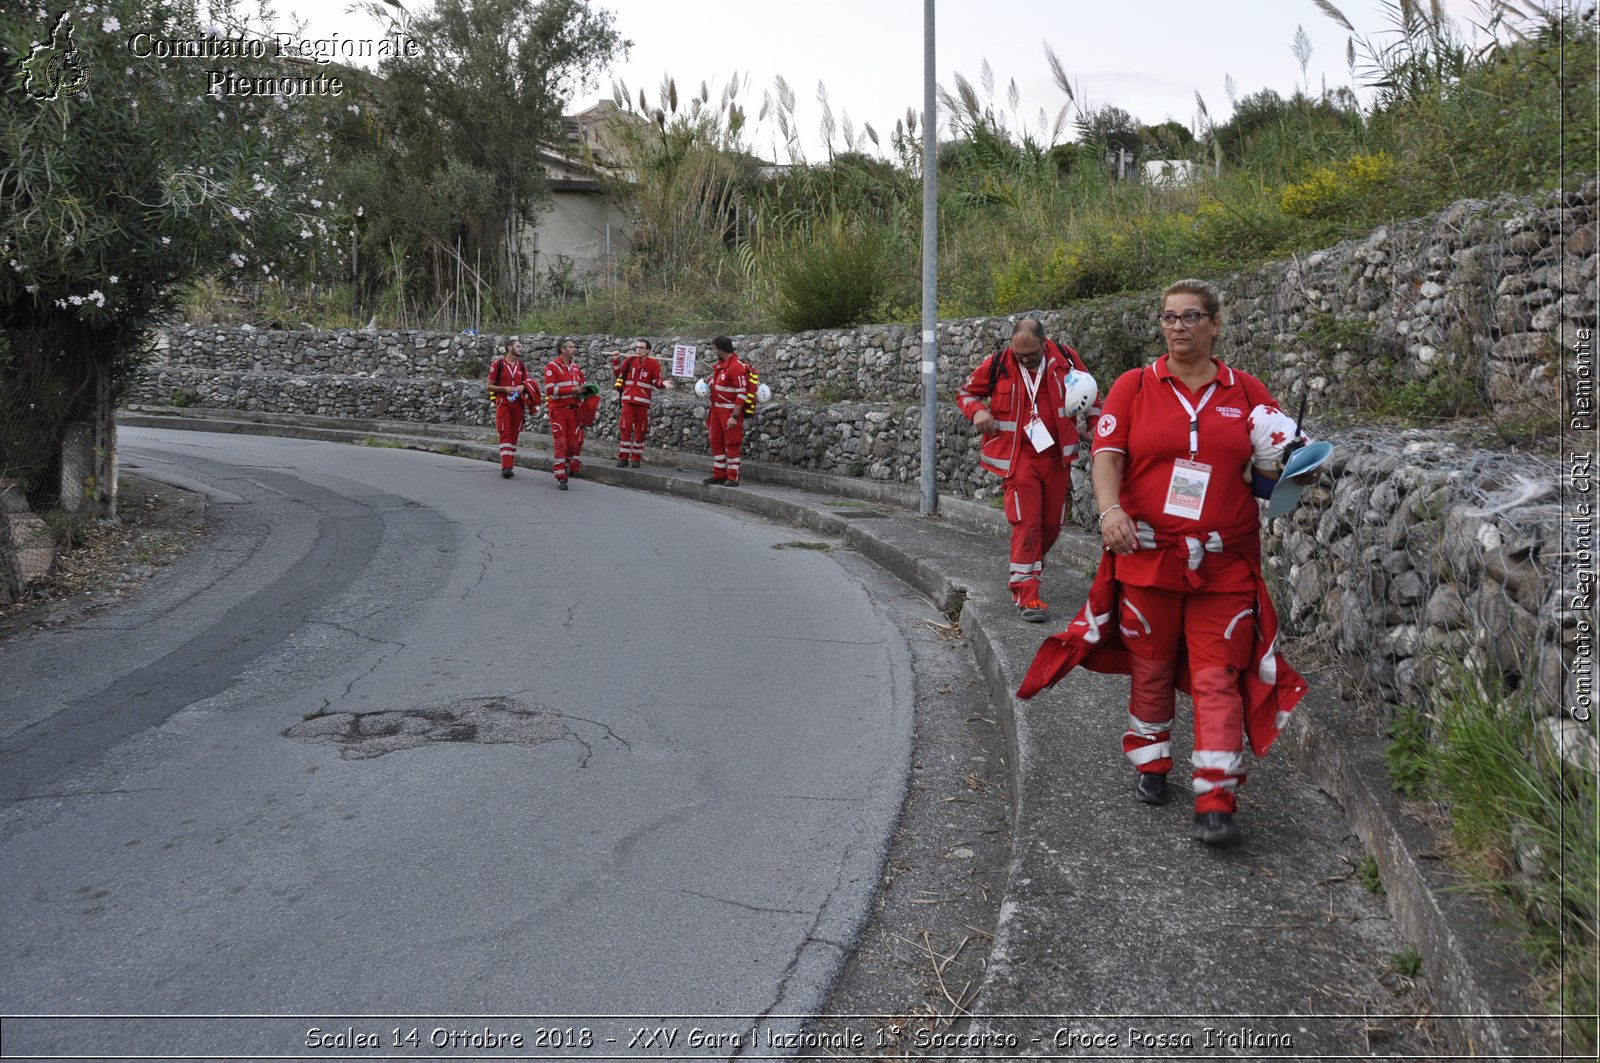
(1144, 418)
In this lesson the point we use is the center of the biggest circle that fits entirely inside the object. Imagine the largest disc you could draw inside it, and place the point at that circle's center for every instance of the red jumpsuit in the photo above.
(562, 379)
(733, 397)
(508, 416)
(1037, 484)
(1192, 585)
(637, 381)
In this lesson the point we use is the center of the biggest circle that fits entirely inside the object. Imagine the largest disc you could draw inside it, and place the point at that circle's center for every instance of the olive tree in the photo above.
(129, 168)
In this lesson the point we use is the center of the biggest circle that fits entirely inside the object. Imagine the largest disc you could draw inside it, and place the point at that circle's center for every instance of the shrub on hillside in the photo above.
(1340, 187)
(834, 280)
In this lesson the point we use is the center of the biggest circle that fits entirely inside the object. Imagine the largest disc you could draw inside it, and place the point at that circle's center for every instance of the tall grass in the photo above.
(1529, 822)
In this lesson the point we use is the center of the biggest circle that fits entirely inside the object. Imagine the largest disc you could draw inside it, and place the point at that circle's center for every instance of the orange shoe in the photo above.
(1033, 610)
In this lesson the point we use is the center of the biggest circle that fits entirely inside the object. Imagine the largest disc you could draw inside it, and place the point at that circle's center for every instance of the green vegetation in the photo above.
(1029, 221)
(1368, 869)
(1408, 961)
(1527, 823)
(1408, 750)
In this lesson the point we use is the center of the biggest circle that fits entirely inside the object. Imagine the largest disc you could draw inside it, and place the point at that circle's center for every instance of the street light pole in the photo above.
(930, 270)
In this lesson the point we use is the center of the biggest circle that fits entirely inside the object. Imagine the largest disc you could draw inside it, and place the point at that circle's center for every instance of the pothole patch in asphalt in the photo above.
(488, 720)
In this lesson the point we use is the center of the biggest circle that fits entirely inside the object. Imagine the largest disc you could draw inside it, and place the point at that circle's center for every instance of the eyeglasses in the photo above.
(1189, 319)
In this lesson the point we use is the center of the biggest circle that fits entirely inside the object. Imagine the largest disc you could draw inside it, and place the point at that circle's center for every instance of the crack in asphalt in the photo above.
(483, 571)
(737, 904)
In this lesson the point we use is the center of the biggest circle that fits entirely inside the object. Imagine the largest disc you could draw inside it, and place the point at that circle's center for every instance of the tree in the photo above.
(1109, 127)
(462, 118)
(122, 177)
(1169, 140)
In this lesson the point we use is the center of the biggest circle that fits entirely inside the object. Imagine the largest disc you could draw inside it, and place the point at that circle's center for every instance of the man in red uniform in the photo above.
(638, 378)
(1029, 442)
(514, 396)
(732, 387)
(563, 379)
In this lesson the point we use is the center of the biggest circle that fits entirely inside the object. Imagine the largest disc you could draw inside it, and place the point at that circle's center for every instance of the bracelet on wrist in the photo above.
(1108, 509)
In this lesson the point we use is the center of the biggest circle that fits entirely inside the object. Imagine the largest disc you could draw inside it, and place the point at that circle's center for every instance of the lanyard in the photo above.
(1031, 383)
(1194, 415)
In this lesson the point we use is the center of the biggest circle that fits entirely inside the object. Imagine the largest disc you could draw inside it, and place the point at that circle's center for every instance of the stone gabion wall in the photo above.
(1403, 557)
(1429, 560)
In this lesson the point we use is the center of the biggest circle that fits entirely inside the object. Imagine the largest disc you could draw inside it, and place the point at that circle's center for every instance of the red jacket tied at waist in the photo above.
(1269, 686)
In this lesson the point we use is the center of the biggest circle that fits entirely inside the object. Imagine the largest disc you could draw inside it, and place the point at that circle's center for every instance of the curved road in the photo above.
(402, 739)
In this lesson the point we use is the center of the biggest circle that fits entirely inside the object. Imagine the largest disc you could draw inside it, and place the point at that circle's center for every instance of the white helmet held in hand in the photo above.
(701, 389)
(1270, 431)
(763, 393)
(1081, 392)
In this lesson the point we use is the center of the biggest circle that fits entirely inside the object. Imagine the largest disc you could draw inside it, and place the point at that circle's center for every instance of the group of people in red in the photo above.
(1178, 602)
(1178, 458)
(572, 403)
(570, 400)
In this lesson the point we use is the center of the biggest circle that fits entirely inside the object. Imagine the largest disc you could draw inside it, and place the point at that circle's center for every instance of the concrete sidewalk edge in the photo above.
(1475, 974)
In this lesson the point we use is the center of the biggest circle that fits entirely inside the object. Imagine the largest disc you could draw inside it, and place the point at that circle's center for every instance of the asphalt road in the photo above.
(402, 744)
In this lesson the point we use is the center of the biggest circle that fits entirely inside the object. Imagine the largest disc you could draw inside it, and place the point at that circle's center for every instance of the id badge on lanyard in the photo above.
(1186, 494)
(1037, 433)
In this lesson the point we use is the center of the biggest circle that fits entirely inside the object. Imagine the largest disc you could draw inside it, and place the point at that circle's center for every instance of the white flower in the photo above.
(113, 278)
(166, 240)
(237, 259)
(97, 297)
(61, 303)
(237, 213)
(111, 25)
(360, 211)
(305, 234)
(353, 109)
(75, 300)
(32, 289)
(317, 203)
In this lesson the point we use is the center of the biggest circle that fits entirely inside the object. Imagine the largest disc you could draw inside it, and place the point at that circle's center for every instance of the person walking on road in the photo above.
(515, 396)
(564, 382)
(732, 391)
(638, 377)
(1179, 601)
(1035, 390)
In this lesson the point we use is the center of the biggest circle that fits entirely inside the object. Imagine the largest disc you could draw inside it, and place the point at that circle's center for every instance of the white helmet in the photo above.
(701, 389)
(1270, 431)
(1081, 392)
(763, 393)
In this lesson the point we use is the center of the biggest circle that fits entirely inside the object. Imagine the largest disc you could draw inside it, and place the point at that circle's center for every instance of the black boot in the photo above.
(1216, 828)
(1152, 788)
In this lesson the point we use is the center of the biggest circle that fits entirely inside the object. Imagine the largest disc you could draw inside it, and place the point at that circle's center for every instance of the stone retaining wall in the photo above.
(1418, 552)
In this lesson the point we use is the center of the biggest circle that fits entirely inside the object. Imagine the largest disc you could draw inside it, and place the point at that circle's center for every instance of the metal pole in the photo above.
(930, 270)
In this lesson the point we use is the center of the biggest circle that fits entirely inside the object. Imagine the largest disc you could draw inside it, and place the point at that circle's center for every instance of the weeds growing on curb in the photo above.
(1525, 816)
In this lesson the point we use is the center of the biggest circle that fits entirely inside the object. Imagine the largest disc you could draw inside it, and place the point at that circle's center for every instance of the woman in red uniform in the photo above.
(1171, 474)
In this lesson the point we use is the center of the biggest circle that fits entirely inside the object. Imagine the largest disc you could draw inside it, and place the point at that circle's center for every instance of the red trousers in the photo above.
(1036, 505)
(725, 444)
(632, 424)
(566, 440)
(1217, 628)
(508, 422)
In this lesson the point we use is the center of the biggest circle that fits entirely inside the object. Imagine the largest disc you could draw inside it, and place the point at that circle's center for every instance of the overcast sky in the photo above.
(1149, 57)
